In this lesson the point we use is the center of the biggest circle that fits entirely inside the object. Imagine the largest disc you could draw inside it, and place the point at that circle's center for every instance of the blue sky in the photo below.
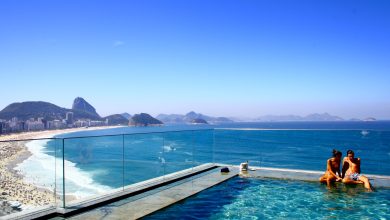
(220, 57)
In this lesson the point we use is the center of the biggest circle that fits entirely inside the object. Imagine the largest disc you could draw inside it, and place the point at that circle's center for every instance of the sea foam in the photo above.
(45, 171)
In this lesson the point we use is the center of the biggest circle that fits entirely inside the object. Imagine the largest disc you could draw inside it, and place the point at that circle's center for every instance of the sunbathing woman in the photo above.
(332, 167)
(351, 171)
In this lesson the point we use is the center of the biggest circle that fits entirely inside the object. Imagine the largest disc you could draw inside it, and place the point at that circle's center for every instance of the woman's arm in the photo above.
(358, 165)
(338, 171)
(345, 168)
(329, 169)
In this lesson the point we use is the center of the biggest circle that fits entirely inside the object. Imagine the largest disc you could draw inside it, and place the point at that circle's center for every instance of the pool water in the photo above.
(250, 198)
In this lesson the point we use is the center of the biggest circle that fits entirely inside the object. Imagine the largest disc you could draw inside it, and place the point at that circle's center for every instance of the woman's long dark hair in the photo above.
(336, 153)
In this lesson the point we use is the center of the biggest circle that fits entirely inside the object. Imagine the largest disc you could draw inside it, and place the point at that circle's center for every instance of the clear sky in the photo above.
(218, 57)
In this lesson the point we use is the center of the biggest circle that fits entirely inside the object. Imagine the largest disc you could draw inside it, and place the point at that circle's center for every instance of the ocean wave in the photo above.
(188, 153)
(45, 171)
(168, 148)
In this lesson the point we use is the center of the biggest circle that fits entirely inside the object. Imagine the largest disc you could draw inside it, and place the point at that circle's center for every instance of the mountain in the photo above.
(26, 110)
(171, 119)
(189, 117)
(369, 119)
(280, 118)
(311, 117)
(322, 117)
(46, 110)
(199, 121)
(79, 104)
(116, 119)
(144, 119)
(126, 115)
(193, 115)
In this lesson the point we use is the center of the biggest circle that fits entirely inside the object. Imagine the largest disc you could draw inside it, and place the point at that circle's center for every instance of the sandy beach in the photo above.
(12, 186)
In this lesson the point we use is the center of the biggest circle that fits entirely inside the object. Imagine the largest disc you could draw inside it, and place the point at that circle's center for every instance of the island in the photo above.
(144, 119)
(198, 121)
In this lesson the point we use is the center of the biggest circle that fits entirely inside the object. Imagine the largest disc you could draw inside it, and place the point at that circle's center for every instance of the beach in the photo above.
(14, 190)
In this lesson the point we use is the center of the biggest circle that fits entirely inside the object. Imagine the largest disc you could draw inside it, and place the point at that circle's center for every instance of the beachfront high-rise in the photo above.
(69, 118)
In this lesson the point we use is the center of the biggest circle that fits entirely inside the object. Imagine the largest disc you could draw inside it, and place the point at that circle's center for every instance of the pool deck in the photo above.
(148, 204)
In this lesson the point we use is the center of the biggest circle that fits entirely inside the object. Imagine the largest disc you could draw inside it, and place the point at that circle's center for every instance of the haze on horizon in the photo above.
(220, 58)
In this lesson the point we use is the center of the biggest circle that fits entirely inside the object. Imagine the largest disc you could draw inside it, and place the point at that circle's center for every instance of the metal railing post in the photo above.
(63, 172)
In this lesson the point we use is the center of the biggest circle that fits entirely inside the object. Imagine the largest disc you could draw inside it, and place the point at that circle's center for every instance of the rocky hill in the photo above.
(79, 104)
(199, 121)
(144, 119)
(46, 110)
(126, 115)
(116, 119)
(26, 110)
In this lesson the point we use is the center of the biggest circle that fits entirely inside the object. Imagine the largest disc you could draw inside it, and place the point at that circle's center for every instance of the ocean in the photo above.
(117, 157)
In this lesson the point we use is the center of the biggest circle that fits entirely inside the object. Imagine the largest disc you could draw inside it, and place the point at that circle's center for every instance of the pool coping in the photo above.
(305, 175)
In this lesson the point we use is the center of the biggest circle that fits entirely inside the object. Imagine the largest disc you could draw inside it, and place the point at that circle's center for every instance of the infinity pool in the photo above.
(250, 198)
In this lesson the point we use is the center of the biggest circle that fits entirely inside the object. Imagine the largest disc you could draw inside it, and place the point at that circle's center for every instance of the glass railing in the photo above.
(302, 149)
(60, 172)
(95, 166)
(30, 174)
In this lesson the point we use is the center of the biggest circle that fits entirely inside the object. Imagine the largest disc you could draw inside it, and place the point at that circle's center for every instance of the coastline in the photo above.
(13, 188)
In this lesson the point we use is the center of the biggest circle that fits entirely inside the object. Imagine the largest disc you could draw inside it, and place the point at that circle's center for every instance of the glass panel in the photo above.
(203, 146)
(237, 146)
(178, 151)
(93, 166)
(143, 157)
(302, 149)
(59, 173)
(27, 175)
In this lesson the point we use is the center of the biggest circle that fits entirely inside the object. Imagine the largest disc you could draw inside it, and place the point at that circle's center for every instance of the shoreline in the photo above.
(13, 186)
(46, 134)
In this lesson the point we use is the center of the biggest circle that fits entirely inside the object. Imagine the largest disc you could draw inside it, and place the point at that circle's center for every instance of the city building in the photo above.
(34, 125)
(69, 118)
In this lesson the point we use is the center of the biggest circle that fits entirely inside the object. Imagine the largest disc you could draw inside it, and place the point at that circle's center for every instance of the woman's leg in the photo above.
(323, 178)
(347, 180)
(366, 182)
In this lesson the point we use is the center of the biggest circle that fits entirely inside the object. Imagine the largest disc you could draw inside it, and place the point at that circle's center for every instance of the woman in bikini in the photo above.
(332, 167)
(351, 171)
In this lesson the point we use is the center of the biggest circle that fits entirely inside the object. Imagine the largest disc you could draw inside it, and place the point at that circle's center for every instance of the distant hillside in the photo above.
(126, 115)
(46, 110)
(171, 119)
(116, 119)
(322, 117)
(311, 117)
(26, 110)
(144, 119)
(79, 104)
(369, 119)
(199, 121)
(189, 117)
